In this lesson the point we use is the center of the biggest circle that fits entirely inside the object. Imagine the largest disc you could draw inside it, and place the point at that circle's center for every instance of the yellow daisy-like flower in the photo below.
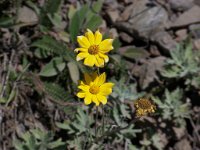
(143, 107)
(92, 49)
(94, 89)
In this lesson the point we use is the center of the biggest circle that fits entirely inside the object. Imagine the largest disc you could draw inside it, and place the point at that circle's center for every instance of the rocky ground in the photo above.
(152, 27)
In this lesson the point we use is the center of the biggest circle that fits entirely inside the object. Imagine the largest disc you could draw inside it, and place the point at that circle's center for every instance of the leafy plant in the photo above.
(183, 64)
(123, 92)
(85, 17)
(79, 129)
(37, 139)
(57, 92)
(172, 107)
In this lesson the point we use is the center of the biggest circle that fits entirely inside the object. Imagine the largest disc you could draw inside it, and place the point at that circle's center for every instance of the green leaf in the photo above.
(116, 44)
(94, 22)
(77, 21)
(135, 53)
(39, 53)
(74, 71)
(95, 9)
(74, 27)
(6, 22)
(55, 66)
(53, 6)
(56, 144)
(57, 92)
(97, 6)
(71, 12)
(47, 43)
(56, 19)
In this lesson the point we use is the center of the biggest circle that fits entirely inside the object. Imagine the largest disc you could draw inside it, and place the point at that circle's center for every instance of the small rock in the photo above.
(197, 44)
(195, 29)
(113, 14)
(149, 71)
(181, 5)
(188, 17)
(126, 13)
(197, 2)
(165, 41)
(154, 50)
(27, 15)
(113, 33)
(179, 132)
(125, 37)
(144, 20)
(183, 144)
(111, 4)
(181, 34)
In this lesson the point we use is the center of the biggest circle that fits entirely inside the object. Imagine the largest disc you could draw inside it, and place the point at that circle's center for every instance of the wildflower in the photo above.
(92, 49)
(144, 106)
(94, 89)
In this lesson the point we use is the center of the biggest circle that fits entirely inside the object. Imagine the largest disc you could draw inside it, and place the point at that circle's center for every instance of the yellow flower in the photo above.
(94, 89)
(92, 49)
(143, 107)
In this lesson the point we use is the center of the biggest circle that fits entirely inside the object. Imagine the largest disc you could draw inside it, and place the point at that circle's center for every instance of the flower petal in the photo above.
(83, 41)
(87, 78)
(84, 87)
(81, 56)
(89, 34)
(105, 91)
(81, 49)
(81, 94)
(88, 99)
(107, 85)
(95, 100)
(105, 57)
(90, 60)
(102, 99)
(94, 75)
(106, 45)
(100, 80)
(99, 61)
(98, 37)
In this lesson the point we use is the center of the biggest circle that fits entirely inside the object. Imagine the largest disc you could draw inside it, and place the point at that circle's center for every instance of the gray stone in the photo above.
(188, 17)
(195, 30)
(144, 19)
(181, 5)
(164, 40)
(27, 15)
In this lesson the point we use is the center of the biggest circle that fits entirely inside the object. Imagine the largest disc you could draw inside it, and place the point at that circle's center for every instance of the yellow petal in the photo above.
(94, 75)
(88, 99)
(84, 87)
(81, 94)
(105, 57)
(99, 61)
(89, 34)
(105, 91)
(95, 100)
(98, 37)
(100, 80)
(83, 42)
(81, 49)
(90, 60)
(107, 85)
(106, 45)
(87, 78)
(102, 99)
(81, 56)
